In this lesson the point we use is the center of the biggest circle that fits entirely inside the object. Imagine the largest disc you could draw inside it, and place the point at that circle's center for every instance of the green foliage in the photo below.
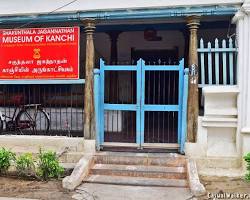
(25, 165)
(45, 167)
(48, 165)
(247, 159)
(6, 157)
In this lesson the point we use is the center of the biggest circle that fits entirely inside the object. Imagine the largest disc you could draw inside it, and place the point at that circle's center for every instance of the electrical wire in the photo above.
(30, 22)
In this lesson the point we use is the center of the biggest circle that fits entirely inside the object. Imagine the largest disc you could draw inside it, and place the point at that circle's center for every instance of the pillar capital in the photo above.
(89, 25)
(246, 7)
(113, 35)
(238, 16)
(193, 21)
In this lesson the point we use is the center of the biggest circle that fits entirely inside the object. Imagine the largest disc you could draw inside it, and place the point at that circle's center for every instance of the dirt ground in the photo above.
(225, 185)
(51, 190)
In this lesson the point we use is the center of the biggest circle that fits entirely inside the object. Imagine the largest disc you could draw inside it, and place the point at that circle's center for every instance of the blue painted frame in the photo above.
(181, 73)
(97, 107)
(124, 14)
(184, 111)
(140, 107)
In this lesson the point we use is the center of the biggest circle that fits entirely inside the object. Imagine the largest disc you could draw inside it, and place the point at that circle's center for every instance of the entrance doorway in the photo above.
(147, 108)
(161, 88)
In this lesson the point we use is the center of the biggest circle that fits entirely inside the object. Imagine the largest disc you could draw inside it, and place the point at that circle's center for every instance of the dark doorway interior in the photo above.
(156, 57)
(161, 88)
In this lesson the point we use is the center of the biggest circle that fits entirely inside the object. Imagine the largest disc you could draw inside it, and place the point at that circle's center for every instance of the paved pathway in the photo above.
(8, 198)
(90, 191)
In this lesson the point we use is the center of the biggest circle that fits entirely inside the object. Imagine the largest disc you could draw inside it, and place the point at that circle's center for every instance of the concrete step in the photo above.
(136, 181)
(159, 159)
(149, 171)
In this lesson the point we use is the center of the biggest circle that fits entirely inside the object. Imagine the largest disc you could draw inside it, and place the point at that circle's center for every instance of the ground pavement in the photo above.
(90, 191)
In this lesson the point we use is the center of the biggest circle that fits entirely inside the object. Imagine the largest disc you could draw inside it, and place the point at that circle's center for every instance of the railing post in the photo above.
(184, 110)
(139, 109)
(101, 111)
(181, 74)
(97, 106)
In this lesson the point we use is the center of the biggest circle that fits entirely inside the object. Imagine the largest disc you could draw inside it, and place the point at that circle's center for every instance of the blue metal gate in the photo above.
(153, 112)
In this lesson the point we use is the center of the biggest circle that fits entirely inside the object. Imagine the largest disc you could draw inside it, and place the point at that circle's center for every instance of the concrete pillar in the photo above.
(113, 36)
(113, 75)
(89, 114)
(246, 8)
(242, 20)
(193, 23)
(239, 20)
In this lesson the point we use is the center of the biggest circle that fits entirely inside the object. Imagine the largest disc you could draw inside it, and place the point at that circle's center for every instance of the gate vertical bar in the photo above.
(138, 102)
(142, 74)
(97, 106)
(184, 111)
(102, 86)
(181, 74)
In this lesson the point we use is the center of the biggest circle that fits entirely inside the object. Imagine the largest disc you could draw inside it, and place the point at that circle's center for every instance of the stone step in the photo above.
(136, 181)
(159, 159)
(149, 171)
